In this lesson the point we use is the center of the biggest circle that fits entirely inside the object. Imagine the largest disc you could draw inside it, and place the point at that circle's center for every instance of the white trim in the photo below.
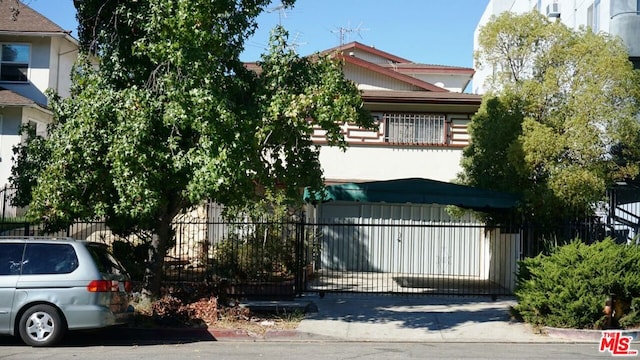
(41, 126)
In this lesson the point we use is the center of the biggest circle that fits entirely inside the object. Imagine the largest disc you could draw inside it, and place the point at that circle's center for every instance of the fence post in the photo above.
(4, 202)
(300, 279)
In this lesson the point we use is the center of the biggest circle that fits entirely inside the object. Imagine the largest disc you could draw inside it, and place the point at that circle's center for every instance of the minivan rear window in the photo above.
(106, 263)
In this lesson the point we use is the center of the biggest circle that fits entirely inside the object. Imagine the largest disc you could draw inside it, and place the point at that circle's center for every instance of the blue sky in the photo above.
(423, 31)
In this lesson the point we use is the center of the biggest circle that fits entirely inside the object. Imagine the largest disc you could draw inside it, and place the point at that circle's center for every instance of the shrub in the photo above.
(265, 253)
(569, 287)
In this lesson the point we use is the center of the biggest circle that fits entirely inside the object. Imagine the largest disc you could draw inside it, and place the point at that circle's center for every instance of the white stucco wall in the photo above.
(63, 56)
(454, 83)
(11, 120)
(49, 67)
(369, 163)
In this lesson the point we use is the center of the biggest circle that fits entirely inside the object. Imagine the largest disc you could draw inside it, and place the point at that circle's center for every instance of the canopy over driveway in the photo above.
(415, 191)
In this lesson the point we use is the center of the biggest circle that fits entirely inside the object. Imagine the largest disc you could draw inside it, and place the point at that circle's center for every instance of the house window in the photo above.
(412, 128)
(15, 62)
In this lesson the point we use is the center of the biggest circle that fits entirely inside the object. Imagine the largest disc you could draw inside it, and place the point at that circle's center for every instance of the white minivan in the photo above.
(49, 286)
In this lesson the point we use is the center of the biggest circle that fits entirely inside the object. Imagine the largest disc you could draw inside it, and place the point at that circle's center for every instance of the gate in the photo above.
(295, 256)
(412, 258)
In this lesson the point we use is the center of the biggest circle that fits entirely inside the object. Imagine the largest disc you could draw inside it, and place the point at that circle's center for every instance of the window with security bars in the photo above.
(408, 128)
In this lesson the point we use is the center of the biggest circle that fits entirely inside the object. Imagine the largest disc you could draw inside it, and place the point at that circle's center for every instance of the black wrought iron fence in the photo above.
(287, 257)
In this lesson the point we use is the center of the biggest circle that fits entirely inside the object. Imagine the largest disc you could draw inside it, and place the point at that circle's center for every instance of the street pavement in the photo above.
(416, 319)
(370, 318)
(394, 318)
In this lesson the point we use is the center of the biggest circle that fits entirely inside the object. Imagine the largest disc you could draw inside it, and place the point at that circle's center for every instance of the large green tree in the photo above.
(560, 120)
(163, 115)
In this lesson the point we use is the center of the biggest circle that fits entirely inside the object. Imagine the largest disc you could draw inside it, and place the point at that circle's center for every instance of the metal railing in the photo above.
(288, 257)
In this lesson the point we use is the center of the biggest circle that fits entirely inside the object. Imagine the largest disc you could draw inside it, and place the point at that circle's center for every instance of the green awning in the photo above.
(415, 191)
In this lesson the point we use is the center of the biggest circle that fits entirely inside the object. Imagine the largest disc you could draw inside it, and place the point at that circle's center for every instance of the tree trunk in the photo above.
(157, 252)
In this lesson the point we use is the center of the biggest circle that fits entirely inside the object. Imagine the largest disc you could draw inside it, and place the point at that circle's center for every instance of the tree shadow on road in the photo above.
(428, 312)
(123, 336)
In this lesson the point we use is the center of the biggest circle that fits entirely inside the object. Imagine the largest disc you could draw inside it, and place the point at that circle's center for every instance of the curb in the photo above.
(207, 334)
(231, 334)
(587, 335)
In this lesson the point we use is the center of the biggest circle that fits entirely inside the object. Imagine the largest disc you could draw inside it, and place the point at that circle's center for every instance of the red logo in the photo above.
(617, 344)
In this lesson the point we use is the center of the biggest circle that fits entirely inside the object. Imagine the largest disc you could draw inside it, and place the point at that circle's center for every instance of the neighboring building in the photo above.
(36, 55)
(422, 115)
(617, 17)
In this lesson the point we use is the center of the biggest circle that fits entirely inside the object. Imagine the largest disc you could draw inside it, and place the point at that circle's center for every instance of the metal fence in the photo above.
(291, 256)
(288, 257)
(8, 210)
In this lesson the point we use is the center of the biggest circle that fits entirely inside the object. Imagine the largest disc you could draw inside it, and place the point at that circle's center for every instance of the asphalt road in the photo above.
(127, 345)
(307, 351)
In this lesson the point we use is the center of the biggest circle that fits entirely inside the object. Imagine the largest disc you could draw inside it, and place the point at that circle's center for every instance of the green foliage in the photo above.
(171, 117)
(569, 287)
(258, 252)
(558, 125)
(632, 318)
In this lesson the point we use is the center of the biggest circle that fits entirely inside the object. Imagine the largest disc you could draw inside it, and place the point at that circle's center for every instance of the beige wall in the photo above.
(369, 163)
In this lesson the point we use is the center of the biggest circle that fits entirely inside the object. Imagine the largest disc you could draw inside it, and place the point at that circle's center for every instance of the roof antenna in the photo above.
(282, 12)
(294, 44)
(344, 32)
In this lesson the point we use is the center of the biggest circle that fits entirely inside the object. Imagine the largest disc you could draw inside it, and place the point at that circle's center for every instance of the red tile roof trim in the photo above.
(393, 74)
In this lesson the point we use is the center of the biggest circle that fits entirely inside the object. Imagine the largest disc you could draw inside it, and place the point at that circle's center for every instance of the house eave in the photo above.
(420, 97)
(38, 107)
(66, 35)
(390, 73)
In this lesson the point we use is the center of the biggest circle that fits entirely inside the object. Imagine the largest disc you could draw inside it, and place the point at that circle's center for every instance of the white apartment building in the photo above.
(617, 17)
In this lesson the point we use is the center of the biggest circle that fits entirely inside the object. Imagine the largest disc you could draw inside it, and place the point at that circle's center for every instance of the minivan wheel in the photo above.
(41, 325)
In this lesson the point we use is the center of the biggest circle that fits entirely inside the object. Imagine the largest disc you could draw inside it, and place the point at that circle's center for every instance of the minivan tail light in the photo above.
(102, 286)
(128, 286)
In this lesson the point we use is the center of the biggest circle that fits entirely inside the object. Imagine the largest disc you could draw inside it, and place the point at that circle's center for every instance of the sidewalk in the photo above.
(416, 319)
(389, 318)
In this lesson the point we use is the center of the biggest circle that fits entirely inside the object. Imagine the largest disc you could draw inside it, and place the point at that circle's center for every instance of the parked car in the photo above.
(50, 286)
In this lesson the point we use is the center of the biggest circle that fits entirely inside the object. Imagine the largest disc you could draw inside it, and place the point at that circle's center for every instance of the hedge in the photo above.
(570, 287)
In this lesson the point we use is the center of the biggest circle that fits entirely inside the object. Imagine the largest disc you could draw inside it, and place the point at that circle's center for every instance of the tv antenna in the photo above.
(282, 12)
(345, 32)
(294, 44)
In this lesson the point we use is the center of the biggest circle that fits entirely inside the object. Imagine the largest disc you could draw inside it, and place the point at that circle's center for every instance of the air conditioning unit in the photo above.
(553, 10)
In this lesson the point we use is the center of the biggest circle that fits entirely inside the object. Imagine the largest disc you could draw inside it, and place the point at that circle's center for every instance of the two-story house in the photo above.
(384, 209)
(422, 115)
(36, 55)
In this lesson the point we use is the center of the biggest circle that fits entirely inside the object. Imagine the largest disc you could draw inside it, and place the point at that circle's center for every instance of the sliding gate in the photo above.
(402, 249)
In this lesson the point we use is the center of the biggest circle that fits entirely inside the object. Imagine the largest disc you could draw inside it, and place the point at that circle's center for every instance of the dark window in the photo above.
(15, 62)
(106, 263)
(11, 258)
(49, 259)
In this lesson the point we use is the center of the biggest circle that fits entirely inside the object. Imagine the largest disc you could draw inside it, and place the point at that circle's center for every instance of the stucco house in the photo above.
(382, 224)
(422, 114)
(36, 55)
